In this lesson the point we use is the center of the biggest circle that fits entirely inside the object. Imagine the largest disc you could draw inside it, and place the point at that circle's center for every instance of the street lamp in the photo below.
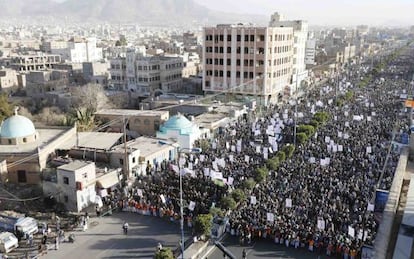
(180, 151)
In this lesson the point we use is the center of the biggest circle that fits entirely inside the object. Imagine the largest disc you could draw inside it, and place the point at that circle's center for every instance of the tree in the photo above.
(91, 97)
(164, 253)
(281, 156)
(309, 130)
(249, 184)
(214, 211)
(228, 203)
(273, 163)
(203, 224)
(122, 41)
(6, 108)
(301, 137)
(321, 117)
(261, 174)
(288, 150)
(238, 195)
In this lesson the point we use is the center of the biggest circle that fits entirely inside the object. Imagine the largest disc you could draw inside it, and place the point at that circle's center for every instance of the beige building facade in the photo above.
(247, 59)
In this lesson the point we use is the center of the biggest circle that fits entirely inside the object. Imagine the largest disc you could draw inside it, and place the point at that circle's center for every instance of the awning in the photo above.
(107, 181)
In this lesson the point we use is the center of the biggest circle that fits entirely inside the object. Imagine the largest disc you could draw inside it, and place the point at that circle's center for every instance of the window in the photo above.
(221, 37)
(121, 161)
(238, 62)
(251, 37)
(66, 180)
(262, 37)
(10, 141)
(228, 74)
(228, 49)
(133, 160)
(85, 175)
(239, 37)
(228, 62)
(246, 37)
(228, 37)
(66, 198)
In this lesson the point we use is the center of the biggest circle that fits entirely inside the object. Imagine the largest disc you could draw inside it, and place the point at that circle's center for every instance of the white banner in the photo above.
(192, 205)
(270, 217)
(288, 203)
(253, 200)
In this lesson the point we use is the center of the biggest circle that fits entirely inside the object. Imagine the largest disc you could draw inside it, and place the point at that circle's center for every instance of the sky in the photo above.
(321, 12)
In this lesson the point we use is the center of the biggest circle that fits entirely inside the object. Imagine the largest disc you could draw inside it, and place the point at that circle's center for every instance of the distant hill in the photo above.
(142, 11)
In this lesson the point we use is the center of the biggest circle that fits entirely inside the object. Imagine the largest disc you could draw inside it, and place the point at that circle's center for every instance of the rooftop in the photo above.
(148, 146)
(92, 140)
(45, 137)
(128, 112)
(75, 165)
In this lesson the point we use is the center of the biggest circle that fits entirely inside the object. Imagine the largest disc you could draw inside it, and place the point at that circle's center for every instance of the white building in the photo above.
(310, 52)
(181, 130)
(77, 182)
(80, 50)
(300, 34)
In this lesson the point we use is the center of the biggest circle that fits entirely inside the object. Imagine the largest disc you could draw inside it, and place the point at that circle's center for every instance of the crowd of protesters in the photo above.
(330, 180)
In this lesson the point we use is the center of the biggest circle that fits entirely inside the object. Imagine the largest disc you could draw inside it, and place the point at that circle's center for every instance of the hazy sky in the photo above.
(320, 12)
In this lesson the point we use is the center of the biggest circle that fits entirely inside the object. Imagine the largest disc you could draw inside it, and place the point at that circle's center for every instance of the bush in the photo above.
(228, 203)
(261, 174)
(164, 253)
(309, 130)
(349, 95)
(301, 137)
(273, 163)
(321, 117)
(214, 211)
(315, 123)
(289, 150)
(238, 195)
(203, 224)
(281, 156)
(249, 184)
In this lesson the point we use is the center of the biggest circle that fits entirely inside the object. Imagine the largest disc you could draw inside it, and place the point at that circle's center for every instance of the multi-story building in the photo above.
(34, 62)
(300, 34)
(247, 59)
(157, 73)
(118, 73)
(310, 52)
(8, 78)
(80, 50)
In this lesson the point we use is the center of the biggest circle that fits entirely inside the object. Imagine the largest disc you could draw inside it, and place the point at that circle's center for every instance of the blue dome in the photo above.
(178, 122)
(17, 126)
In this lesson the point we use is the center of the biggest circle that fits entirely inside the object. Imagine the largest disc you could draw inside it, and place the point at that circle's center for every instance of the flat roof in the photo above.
(92, 140)
(148, 146)
(45, 137)
(128, 112)
(75, 165)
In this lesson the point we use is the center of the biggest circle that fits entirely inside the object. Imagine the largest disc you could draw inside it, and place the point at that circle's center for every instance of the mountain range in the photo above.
(141, 11)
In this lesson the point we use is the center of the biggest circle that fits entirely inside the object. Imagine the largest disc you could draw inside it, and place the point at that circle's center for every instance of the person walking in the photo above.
(125, 228)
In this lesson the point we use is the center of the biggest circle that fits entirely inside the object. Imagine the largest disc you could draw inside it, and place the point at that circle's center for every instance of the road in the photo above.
(106, 238)
(263, 249)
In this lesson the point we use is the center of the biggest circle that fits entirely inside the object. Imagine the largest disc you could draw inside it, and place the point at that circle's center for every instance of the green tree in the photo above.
(228, 203)
(238, 195)
(214, 211)
(203, 224)
(309, 130)
(321, 117)
(249, 184)
(261, 174)
(6, 108)
(281, 156)
(122, 41)
(164, 253)
(273, 163)
(301, 137)
(288, 150)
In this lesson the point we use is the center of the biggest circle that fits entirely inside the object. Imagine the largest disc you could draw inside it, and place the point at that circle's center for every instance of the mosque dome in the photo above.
(17, 126)
(180, 123)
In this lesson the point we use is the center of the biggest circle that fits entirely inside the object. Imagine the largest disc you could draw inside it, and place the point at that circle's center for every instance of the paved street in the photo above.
(106, 238)
(262, 250)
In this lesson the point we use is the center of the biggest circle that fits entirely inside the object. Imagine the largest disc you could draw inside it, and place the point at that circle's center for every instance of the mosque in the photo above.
(25, 150)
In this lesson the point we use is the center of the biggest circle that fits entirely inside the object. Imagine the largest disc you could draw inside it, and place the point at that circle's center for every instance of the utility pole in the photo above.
(296, 108)
(126, 162)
